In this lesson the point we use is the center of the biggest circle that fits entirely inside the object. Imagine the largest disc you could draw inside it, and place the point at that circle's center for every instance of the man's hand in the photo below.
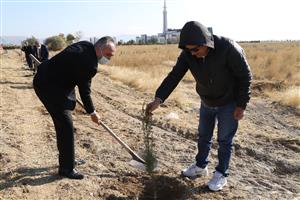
(153, 106)
(238, 113)
(95, 117)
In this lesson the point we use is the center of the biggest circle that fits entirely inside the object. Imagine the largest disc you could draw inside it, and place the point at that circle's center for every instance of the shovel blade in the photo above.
(141, 166)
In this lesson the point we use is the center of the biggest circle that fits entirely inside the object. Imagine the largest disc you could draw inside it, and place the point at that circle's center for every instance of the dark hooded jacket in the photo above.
(222, 77)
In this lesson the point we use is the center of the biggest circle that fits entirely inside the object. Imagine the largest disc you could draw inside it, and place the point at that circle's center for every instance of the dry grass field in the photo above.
(265, 160)
(275, 64)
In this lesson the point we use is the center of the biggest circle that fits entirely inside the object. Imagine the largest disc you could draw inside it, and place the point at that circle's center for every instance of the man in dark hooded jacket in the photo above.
(223, 80)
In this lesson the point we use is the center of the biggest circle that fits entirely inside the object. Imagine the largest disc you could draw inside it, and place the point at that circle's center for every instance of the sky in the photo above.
(236, 19)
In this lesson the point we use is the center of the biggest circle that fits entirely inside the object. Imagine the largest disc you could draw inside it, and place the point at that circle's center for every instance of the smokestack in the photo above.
(165, 20)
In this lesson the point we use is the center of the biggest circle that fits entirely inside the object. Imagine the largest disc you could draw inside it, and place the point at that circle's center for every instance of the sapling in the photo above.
(148, 141)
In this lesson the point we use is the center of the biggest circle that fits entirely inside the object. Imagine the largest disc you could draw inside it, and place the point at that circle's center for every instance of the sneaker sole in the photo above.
(192, 177)
(215, 190)
(221, 188)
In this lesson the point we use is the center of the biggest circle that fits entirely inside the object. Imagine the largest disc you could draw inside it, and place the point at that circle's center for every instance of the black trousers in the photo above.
(63, 123)
(29, 61)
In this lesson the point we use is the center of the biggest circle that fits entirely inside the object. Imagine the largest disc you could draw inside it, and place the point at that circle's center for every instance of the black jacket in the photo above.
(57, 77)
(27, 50)
(44, 54)
(223, 76)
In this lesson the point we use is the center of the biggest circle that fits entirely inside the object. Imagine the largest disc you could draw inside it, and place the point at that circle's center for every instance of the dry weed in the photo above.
(290, 96)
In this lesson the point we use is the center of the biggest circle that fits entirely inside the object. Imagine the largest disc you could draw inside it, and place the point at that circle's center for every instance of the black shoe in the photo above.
(73, 174)
(79, 162)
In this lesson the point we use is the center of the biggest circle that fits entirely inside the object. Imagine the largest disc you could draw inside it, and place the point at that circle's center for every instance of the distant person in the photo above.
(40, 52)
(28, 49)
(1, 49)
(54, 84)
(223, 80)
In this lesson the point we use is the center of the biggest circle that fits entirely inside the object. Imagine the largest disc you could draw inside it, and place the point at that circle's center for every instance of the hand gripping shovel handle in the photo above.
(34, 59)
(128, 149)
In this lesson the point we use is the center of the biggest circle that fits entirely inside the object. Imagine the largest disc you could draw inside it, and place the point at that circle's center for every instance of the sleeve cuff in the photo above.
(242, 105)
(93, 113)
(159, 99)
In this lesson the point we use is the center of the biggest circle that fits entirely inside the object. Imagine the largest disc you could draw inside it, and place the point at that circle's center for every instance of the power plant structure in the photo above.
(168, 36)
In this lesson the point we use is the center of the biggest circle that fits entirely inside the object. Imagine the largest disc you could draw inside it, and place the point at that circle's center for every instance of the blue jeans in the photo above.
(227, 127)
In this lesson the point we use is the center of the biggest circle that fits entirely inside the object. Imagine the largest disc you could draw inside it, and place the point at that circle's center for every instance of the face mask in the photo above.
(103, 60)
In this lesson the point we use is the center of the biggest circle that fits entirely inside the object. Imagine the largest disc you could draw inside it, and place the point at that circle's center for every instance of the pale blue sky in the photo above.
(237, 19)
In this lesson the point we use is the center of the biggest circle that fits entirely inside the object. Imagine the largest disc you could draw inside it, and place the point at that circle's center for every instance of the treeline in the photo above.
(133, 42)
(264, 41)
(56, 42)
(11, 46)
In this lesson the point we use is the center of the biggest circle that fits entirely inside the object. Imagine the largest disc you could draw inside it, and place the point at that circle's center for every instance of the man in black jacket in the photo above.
(41, 53)
(28, 50)
(223, 79)
(54, 84)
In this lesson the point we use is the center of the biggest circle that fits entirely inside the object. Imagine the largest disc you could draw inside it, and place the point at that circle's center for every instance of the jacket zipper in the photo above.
(210, 79)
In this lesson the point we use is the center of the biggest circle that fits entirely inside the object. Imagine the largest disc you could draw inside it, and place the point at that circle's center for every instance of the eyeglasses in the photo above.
(195, 49)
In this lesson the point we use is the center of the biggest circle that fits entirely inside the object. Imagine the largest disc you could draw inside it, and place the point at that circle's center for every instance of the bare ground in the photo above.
(265, 162)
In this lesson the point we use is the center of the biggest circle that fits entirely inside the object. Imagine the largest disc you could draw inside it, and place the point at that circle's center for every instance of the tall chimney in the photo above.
(165, 24)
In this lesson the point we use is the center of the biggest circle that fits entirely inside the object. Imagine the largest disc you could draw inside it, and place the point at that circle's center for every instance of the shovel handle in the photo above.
(128, 149)
(34, 59)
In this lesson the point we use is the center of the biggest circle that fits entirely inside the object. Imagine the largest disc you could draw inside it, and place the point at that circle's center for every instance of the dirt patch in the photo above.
(285, 168)
(162, 187)
(293, 144)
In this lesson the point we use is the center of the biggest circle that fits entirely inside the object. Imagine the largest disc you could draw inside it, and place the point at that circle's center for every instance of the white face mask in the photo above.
(103, 60)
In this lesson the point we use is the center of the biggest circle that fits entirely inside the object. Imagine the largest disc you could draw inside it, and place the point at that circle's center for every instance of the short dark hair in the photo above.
(104, 41)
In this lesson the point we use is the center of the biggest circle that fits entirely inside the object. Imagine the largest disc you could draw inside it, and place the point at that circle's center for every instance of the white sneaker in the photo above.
(217, 182)
(194, 171)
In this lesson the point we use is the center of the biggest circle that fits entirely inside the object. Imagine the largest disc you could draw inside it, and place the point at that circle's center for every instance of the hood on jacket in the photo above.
(194, 33)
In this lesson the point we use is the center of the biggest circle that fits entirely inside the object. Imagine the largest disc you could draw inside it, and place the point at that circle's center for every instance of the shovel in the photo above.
(123, 144)
(137, 160)
(34, 59)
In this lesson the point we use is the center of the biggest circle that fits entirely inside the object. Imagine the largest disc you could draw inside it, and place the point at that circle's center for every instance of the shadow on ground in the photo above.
(27, 176)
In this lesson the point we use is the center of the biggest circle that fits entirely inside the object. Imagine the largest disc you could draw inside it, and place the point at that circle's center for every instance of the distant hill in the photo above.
(15, 40)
